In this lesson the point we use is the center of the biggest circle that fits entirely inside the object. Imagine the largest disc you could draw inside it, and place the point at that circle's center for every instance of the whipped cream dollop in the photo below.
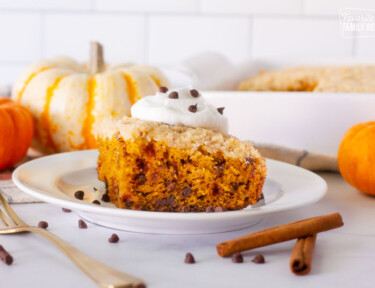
(185, 105)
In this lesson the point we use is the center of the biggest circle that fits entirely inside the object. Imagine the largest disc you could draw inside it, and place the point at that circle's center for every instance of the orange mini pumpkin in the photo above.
(356, 157)
(16, 132)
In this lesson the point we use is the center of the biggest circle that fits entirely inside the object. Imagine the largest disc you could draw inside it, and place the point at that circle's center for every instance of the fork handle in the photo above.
(103, 275)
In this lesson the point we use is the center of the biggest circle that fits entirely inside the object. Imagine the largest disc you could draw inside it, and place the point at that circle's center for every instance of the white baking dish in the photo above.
(312, 121)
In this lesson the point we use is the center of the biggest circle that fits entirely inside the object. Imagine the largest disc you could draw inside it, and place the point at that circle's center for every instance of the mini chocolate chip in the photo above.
(186, 192)
(249, 160)
(96, 202)
(193, 108)
(170, 186)
(194, 93)
(189, 258)
(258, 259)
(82, 224)
(140, 178)
(237, 258)
(105, 198)
(221, 110)
(140, 285)
(218, 209)
(79, 194)
(163, 89)
(66, 210)
(154, 177)
(95, 189)
(43, 224)
(210, 209)
(173, 95)
(114, 238)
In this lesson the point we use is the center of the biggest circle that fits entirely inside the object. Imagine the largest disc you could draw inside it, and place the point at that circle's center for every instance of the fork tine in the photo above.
(5, 218)
(17, 220)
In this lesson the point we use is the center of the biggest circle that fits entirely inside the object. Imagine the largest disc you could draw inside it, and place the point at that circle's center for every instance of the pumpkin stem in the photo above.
(96, 64)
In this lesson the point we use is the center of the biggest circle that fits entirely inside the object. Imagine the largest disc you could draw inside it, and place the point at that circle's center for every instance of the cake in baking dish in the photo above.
(177, 158)
(316, 79)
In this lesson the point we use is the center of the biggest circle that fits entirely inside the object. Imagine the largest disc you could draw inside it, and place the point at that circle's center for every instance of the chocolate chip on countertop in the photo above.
(221, 110)
(258, 259)
(194, 93)
(66, 210)
(82, 224)
(237, 258)
(210, 209)
(96, 202)
(163, 89)
(173, 95)
(189, 258)
(114, 238)
(193, 108)
(79, 194)
(95, 189)
(218, 209)
(105, 198)
(43, 224)
(5, 256)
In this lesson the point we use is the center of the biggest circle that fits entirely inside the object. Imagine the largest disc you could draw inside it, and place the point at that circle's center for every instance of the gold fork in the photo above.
(100, 273)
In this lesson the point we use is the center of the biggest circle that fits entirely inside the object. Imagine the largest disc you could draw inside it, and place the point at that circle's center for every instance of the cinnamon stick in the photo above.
(294, 230)
(300, 260)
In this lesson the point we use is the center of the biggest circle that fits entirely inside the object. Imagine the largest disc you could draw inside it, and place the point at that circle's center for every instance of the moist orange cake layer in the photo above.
(146, 174)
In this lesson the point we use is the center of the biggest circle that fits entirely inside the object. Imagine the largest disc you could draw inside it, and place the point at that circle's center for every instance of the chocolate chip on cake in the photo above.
(173, 95)
(96, 202)
(193, 108)
(5, 256)
(194, 93)
(189, 258)
(82, 224)
(258, 259)
(221, 110)
(79, 194)
(249, 160)
(186, 192)
(114, 238)
(170, 186)
(237, 258)
(163, 89)
(218, 209)
(66, 210)
(105, 198)
(210, 209)
(43, 224)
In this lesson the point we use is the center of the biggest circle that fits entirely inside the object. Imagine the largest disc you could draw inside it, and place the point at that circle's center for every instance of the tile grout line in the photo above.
(42, 35)
(146, 40)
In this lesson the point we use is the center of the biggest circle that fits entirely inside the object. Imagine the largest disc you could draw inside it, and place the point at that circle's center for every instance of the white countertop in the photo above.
(342, 258)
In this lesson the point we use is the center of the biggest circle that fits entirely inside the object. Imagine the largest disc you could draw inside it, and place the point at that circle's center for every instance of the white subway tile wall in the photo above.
(165, 32)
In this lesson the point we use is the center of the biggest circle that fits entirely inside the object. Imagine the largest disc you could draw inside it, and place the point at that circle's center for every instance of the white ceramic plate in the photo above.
(54, 179)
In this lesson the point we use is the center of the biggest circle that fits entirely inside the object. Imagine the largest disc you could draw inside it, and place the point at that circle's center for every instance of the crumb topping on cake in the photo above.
(178, 136)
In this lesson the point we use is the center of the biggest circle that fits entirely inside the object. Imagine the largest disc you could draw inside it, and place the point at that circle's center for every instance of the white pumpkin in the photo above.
(67, 98)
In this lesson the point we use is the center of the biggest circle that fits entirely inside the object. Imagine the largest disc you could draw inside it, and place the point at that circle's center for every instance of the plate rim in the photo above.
(146, 215)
